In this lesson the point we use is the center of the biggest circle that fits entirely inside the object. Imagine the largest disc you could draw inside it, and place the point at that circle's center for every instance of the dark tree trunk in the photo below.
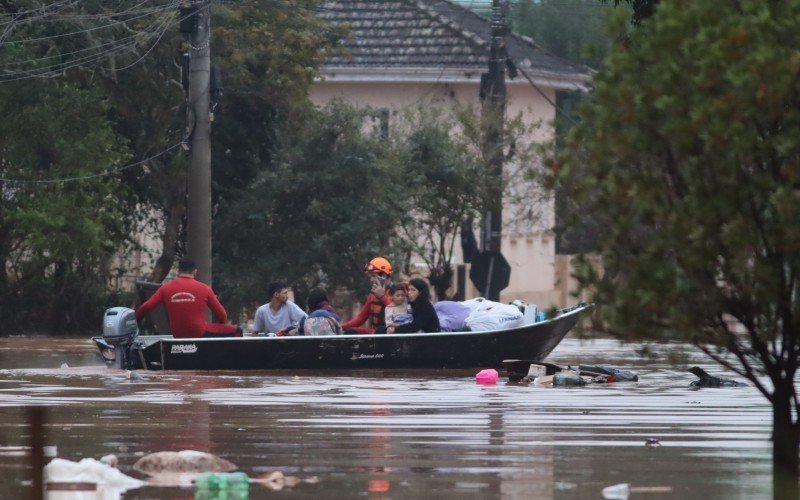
(169, 242)
(441, 279)
(785, 444)
(59, 318)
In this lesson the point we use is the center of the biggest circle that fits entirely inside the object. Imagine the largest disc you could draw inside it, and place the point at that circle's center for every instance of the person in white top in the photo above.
(280, 315)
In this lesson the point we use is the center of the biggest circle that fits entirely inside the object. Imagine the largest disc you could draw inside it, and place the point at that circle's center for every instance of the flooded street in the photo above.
(416, 434)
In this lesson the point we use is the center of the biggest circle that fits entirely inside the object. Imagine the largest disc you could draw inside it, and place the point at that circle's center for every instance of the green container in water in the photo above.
(222, 486)
(222, 495)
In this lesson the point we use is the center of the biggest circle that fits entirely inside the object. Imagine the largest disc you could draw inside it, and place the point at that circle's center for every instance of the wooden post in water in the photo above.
(36, 418)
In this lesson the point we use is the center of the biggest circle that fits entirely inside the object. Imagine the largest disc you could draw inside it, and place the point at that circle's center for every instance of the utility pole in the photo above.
(493, 117)
(198, 230)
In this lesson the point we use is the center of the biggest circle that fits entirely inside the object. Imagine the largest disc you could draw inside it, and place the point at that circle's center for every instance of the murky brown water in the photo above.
(380, 435)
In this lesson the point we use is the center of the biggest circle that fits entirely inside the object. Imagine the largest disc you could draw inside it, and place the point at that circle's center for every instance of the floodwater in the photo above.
(414, 434)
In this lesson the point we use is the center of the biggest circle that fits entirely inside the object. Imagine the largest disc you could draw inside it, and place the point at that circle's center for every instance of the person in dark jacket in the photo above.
(425, 318)
(318, 301)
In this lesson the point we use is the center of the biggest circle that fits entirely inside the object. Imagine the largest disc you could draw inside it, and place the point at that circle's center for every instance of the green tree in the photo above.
(329, 201)
(574, 30)
(268, 53)
(447, 185)
(642, 9)
(689, 157)
(57, 238)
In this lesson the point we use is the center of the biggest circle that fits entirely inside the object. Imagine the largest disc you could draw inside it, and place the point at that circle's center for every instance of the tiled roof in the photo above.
(427, 34)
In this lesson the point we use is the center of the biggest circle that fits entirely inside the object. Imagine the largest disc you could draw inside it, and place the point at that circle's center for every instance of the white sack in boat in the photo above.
(488, 315)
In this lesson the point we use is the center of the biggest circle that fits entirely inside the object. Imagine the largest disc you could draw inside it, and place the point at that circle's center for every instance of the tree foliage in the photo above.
(447, 184)
(689, 158)
(642, 9)
(269, 53)
(117, 63)
(57, 238)
(574, 30)
(329, 201)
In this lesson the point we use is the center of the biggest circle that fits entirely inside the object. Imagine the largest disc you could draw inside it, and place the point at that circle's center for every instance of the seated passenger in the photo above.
(186, 300)
(280, 315)
(322, 318)
(398, 311)
(424, 315)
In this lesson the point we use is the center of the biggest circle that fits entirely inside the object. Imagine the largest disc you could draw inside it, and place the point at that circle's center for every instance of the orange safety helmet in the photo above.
(378, 265)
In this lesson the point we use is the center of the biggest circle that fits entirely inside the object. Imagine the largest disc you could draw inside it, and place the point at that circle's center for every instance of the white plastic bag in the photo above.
(486, 315)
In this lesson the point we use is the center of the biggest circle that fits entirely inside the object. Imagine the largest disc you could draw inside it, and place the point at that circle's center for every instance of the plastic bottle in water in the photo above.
(222, 495)
(222, 481)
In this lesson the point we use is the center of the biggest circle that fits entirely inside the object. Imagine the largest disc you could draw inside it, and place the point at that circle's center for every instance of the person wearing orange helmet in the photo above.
(380, 271)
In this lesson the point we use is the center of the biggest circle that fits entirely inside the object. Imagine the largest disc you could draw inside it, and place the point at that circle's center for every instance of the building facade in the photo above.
(401, 54)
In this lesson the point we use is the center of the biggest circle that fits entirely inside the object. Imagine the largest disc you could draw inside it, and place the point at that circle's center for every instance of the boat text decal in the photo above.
(369, 356)
(183, 349)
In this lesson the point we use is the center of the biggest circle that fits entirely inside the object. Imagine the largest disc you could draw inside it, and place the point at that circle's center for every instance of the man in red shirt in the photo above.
(186, 300)
(379, 270)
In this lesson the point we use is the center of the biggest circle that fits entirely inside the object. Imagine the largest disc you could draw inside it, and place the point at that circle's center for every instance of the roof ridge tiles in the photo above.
(431, 35)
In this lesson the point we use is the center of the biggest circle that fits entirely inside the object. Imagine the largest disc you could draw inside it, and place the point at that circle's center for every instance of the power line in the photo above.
(104, 173)
(545, 96)
(87, 30)
(157, 29)
(94, 53)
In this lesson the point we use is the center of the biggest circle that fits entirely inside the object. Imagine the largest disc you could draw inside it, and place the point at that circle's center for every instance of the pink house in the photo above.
(403, 53)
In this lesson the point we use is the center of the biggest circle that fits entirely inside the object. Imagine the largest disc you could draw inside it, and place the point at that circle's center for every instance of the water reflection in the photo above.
(382, 435)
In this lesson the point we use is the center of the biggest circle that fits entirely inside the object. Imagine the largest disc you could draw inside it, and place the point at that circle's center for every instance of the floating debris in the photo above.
(526, 371)
(487, 377)
(619, 375)
(707, 380)
(568, 378)
(182, 461)
(623, 490)
(276, 481)
(88, 474)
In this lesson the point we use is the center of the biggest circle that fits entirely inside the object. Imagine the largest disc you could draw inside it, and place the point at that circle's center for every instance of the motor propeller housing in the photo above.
(120, 326)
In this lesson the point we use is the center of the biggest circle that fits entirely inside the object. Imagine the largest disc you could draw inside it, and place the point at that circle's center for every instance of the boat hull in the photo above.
(394, 351)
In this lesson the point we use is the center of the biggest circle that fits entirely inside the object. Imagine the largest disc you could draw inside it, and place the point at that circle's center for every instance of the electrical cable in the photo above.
(545, 96)
(123, 42)
(156, 29)
(104, 173)
(88, 30)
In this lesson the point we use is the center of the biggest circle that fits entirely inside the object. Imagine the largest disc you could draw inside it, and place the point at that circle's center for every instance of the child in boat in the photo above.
(424, 315)
(397, 312)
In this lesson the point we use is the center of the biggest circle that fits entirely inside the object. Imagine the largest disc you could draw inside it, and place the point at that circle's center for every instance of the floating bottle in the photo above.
(222, 481)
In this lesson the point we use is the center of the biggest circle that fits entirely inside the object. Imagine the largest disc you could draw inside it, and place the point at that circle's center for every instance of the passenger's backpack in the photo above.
(321, 325)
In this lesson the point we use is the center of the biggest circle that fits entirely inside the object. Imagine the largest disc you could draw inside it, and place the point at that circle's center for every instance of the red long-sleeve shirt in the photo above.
(186, 300)
(374, 307)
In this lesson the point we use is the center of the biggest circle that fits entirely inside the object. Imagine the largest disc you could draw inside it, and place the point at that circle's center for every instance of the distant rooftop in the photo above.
(430, 37)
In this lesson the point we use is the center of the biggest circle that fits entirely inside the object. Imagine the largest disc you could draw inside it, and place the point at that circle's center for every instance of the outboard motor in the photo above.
(120, 329)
